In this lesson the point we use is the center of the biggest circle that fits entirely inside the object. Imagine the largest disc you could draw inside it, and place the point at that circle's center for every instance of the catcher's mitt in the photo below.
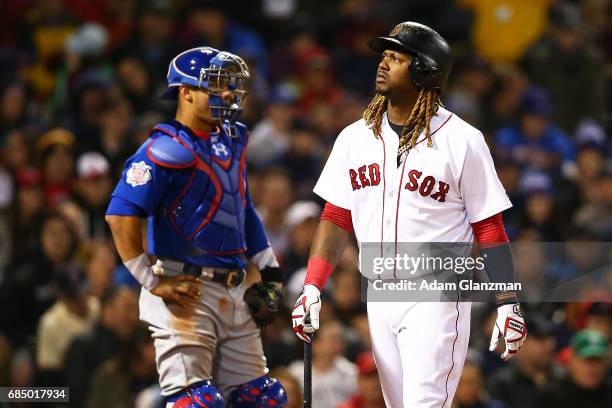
(264, 300)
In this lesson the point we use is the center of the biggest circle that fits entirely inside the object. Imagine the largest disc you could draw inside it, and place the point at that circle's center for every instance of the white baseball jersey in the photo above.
(432, 196)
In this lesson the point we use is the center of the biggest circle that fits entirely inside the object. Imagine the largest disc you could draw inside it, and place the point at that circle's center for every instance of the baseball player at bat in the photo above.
(411, 171)
(188, 180)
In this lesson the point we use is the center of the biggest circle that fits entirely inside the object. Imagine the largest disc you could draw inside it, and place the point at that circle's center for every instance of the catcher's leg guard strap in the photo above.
(261, 392)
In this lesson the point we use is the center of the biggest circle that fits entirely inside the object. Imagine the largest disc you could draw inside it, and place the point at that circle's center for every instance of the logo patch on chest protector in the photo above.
(220, 151)
(139, 174)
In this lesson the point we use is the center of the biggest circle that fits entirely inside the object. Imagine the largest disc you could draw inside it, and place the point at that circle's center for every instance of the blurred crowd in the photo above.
(79, 87)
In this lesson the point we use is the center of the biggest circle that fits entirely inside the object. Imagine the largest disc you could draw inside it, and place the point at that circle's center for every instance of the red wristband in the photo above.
(318, 272)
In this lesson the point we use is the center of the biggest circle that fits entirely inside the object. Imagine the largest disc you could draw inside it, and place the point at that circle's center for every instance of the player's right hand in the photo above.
(510, 324)
(178, 290)
(305, 313)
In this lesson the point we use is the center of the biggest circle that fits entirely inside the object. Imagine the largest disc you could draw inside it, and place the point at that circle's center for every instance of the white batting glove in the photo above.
(511, 325)
(305, 313)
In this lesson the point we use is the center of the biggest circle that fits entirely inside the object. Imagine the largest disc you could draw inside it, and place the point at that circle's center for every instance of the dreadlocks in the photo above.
(424, 109)
(373, 113)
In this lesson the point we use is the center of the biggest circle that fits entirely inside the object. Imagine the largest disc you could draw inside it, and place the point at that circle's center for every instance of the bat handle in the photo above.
(307, 375)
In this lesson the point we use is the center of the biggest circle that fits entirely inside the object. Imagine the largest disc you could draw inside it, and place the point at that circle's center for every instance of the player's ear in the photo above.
(186, 93)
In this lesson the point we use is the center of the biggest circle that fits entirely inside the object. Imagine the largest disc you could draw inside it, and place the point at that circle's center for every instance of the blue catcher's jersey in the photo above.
(193, 191)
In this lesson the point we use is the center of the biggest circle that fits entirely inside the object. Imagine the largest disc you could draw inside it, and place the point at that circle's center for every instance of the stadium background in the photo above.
(79, 86)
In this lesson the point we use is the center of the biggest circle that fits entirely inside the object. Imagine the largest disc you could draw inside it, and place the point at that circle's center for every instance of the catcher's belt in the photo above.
(228, 277)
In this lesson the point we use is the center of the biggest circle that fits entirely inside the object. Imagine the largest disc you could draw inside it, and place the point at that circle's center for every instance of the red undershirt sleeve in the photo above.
(490, 232)
(495, 249)
(338, 215)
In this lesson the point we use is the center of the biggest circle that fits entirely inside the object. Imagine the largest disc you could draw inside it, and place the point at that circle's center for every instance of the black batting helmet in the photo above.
(432, 59)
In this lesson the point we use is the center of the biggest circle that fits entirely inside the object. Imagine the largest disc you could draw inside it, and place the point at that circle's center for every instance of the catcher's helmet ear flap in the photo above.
(432, 59)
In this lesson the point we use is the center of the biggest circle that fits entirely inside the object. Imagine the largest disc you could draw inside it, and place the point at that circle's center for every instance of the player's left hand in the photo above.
(264, 300)
(511, 325)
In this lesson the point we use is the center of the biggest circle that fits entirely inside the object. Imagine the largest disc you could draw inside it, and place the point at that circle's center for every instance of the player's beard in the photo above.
(383, 89)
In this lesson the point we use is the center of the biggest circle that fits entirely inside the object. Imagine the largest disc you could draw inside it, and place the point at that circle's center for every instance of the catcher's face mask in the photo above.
(226, 81)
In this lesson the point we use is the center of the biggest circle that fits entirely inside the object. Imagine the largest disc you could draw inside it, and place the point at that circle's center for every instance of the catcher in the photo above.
(189, 180)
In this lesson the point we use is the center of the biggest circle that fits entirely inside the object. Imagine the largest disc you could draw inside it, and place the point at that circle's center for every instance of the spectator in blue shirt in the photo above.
(534, 141)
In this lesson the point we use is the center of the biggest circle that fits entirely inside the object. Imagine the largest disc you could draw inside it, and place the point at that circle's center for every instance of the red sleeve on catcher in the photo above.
(490, 232)
(338, 215)
(318, 272)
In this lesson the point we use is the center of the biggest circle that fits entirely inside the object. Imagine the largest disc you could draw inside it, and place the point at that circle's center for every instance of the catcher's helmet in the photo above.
(214, 71)
(432, 59)
(187, 68)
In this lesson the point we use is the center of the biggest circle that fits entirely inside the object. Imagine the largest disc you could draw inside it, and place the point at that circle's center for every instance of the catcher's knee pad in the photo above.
(261, 392)
(202, 394)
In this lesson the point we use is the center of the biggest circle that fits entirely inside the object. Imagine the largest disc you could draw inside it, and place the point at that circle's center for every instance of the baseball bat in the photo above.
(307, 375)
